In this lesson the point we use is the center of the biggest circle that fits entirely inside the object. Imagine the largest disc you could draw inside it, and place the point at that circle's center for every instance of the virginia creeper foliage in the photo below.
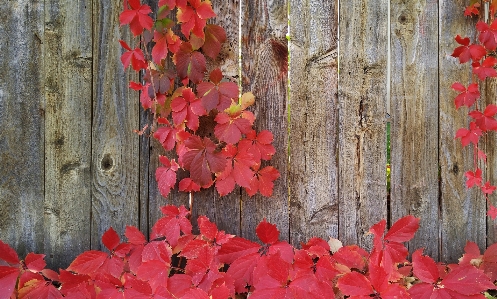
(204, 121)
(176, 263)
(482, 117)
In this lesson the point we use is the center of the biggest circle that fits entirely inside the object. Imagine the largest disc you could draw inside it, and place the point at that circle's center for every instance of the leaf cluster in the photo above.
(204, 121)
(481, 54)
(176, 263)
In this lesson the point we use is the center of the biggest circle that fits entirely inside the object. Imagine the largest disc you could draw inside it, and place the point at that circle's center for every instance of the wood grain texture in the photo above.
(223, 210)
(23, 125)
(265, 74)
(414, 118)
(362, 118)
(489, 96)
(115, 156)
(462, 211)
(313, 168)
(155, 199)
(68, 94)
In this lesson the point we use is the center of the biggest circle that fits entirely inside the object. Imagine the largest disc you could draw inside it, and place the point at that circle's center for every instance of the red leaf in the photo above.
(230, 128)
(355, 284)
(202, 159)
(164, 42)
(466, 97)
(241, 271)
(35, 262)
(188, 185)
(488, 188)
(187, 108)
(193, 18)
(166, 176)
(214, 37)
(378, 230)
(488, 33)
(111, 239)
(486, 69)
(471, 253)
(267, 232)
(135, 57)
(8, 279)
(189, 63)
(172, 224)
(217, 94)
(485, 120)
(471, 135)
(8, 254)
(492, 212)
(474, 178)
(467, 280)
(88, 262)
(467, 52)
(403, 229)
(424, 267)
(263, 181)
(137, 17)
(472, 9)
(260, 144)
(134, 235)
(349, 257)
(236, 248)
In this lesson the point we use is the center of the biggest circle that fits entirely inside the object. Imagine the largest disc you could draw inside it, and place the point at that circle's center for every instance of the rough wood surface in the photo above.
(115, 156)
(414, 118)
(313, 168)
(68, 95)
(22, 122)
(489, 96)
(362, 118)
(265, 74)
(225, 210)
(462, 211)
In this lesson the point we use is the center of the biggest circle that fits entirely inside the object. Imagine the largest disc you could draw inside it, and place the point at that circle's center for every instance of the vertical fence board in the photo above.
(414, 111)
(462, 210)
(313, 120)
(362, 119)
(265, 73)
(22, 122)
(68, 96)
(115, 158)
(155, 199)
(490, 143)
(224, 211)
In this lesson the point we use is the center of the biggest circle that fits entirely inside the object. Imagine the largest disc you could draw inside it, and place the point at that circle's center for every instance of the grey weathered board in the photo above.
(414, 118)
(22, 108)
(313, 167)
(224, 211)
(265, 74)
(115, 148)
(68, 95)
(462, 210)
(362, 95)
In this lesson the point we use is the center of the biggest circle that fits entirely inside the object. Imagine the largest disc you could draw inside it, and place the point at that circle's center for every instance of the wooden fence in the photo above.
(71, 166)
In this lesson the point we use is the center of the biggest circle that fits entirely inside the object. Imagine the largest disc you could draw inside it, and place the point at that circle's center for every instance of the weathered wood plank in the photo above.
(265, 74)
(362, 118)
(115, 158)
(489, 95)
(462, 211)
(23, 125)
(68, 94)
(313, 168)
(224, 211)
(414, 117)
